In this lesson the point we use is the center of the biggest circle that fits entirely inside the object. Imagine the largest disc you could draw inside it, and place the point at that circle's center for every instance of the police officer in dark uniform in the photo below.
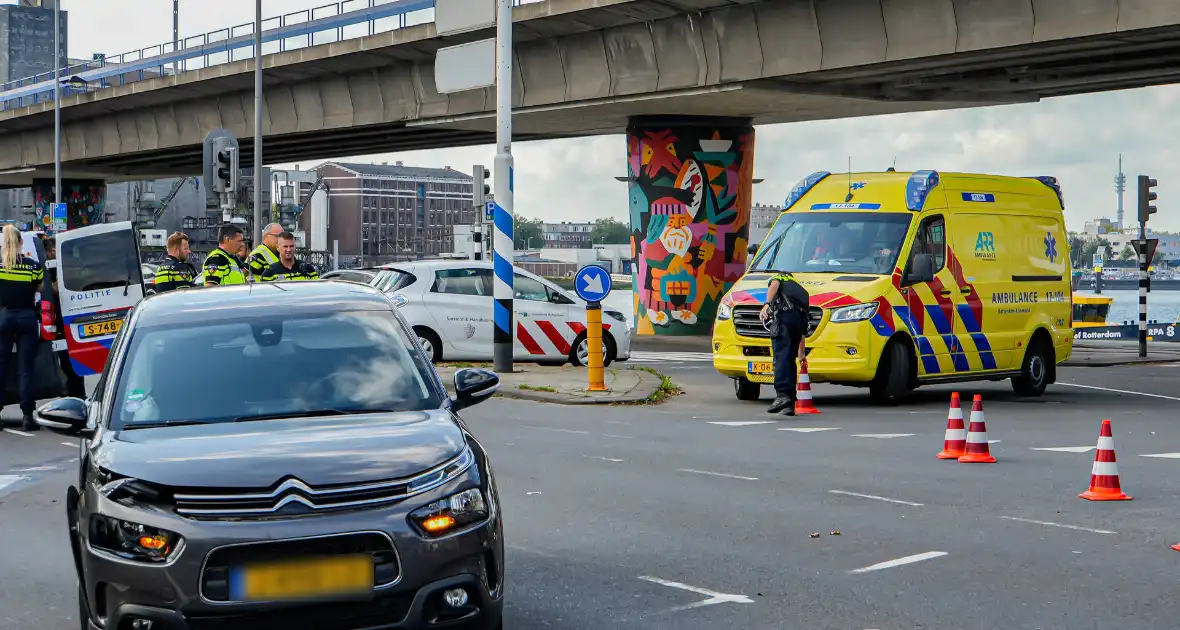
(785, 315)
(288, 267)
(176, 272)
(224, 266)
(20, 319)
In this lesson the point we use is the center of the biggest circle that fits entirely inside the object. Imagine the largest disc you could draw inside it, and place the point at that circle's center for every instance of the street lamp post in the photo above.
(175, 33)
(257, 122)
(57, 196)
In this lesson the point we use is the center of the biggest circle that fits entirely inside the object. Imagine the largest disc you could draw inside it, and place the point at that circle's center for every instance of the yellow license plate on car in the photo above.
(99, 329)
(306, 578)
(761, 367)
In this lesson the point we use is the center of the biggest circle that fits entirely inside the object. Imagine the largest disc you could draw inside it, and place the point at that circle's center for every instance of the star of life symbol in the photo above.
(1050, 247)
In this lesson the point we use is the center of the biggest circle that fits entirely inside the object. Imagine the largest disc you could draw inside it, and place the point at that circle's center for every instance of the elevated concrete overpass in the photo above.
(586, 67)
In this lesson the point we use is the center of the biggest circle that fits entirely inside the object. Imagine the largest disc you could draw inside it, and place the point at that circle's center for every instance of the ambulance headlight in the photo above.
(854, 313)
(724, 311)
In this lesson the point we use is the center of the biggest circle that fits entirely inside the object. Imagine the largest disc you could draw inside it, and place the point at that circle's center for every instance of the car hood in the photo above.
(827, 290)
(319, 451)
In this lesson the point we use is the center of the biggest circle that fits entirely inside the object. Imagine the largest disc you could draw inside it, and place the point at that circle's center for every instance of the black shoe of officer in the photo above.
(790, 410)
(780, 403)
(28, 424)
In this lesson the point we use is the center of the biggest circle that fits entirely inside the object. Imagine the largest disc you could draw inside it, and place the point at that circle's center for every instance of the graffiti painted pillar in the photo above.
(690, 181)
(85, 199)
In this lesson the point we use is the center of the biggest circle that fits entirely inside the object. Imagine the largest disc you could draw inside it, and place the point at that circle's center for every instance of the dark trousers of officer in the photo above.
(20, 327)
(790, 329)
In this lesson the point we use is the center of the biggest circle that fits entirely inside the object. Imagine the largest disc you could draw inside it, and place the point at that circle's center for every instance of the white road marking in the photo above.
(8, 480)
(615, 422)
(1120, 391)
(1162, 455)
(616, 436)
(717, 474)
(741, 423)
(15, 432)
(70, 444)
(875, 497)
(889, 564)
(533, 426)
(659, 357)
(809, 429)
(713, 596)
(35, 469)
(883, 436)
(1066, 449)
(993, 441)
(605, 459)
(1062, 525)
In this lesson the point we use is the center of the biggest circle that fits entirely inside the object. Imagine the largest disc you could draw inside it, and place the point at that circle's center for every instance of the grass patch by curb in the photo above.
(666, 390)
(536, 388)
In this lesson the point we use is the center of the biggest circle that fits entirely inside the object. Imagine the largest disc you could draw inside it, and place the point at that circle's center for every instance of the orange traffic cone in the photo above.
(955, 442)
(1176, 547)
(977, 451)
(1104, 477)
(803, 404)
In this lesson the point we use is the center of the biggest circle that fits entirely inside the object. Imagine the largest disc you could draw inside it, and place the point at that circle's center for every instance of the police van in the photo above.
(99, 279)
(915, 278)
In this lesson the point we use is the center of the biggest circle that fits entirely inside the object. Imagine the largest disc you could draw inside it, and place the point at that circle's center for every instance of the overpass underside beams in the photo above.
(690, 183)
(85, 200)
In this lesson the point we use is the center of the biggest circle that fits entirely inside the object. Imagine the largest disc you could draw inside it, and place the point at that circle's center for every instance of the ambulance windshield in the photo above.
(836, 242)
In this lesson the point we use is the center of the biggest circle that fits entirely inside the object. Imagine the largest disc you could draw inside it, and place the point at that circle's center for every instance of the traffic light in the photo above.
(479, 186)
(225, 166)
(1146, 196)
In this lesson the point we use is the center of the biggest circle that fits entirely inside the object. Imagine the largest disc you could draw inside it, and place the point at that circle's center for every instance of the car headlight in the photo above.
(452, 513)
(854, 313)
(399, 300)
(132, 541)
(724, 311)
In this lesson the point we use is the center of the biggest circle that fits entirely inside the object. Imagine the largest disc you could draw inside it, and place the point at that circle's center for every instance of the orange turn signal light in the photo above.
(154, 543)
(438, 523)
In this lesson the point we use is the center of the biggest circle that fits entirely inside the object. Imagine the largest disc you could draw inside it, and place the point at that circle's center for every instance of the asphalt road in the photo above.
(699, 513)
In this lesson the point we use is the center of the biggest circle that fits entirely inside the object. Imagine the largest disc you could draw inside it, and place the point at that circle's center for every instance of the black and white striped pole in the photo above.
(1146, 196)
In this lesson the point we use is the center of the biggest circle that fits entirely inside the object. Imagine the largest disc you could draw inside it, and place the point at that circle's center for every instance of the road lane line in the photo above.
(1120, 391)
(616, 436)
(15, 432)
(8, 480)
(740, 423)
(717, 474)
(809, 429)
(605, 459)
(70, 444)
(883, 436)
(713, 596)
(1162, 455)
(889, 564)
(875, 497)
(1062, 525)
(533, 426)
(1066, 449)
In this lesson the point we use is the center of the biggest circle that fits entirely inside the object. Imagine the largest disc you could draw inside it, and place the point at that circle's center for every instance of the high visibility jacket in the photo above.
(222, 268)
(261, 258)
(19, 284)
(297, 271)
(174, 273)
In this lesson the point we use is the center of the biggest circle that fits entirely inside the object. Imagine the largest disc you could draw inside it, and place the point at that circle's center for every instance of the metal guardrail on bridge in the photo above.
(339, 21)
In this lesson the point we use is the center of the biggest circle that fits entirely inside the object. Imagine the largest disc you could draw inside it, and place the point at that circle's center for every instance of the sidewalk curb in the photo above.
(1118, 362)
(644, 392)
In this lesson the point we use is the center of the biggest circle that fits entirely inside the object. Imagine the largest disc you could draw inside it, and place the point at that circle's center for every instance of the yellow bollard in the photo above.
(594, 347)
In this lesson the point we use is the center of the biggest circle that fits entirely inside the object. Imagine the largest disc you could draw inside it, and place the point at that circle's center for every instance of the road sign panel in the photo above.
(489, 211)
(460, 16)
(465, 67)
(592, 283)
(1137, 244)
(60, 218)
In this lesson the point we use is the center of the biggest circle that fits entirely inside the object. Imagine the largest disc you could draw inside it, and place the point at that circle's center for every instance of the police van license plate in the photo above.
(761, 367)
(100, 329)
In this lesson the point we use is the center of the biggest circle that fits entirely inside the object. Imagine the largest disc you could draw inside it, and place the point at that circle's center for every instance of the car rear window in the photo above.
(350, 361)
(389, 280)
(100, 261)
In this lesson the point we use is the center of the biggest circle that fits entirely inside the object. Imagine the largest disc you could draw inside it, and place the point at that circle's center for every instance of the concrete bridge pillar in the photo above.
(690, 181)
(85, 199)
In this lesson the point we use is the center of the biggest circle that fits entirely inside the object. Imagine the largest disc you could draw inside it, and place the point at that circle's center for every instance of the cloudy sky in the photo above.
(1077, 139)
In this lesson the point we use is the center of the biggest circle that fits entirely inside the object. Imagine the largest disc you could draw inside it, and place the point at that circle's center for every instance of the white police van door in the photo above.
(99, 280)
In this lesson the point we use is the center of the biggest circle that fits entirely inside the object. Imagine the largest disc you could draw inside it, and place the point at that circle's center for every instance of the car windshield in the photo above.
(839, 242)
(270, 366)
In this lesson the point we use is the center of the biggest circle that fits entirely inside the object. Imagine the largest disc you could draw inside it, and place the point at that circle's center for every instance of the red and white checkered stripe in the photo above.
(543, 337)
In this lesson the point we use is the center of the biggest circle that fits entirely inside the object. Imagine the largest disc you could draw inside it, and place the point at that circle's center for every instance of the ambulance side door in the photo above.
(930, 313)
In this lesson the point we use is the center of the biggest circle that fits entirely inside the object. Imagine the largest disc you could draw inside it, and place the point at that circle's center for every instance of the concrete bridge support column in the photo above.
(85, 199)
(690, 181)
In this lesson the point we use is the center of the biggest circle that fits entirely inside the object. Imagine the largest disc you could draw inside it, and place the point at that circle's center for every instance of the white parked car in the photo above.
(449, 305)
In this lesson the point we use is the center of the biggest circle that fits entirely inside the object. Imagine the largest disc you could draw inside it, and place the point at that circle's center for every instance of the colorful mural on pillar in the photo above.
(85, 199)
(690, 192)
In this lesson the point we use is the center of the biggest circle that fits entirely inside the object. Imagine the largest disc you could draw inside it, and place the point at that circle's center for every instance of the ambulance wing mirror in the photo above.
(921, 269)
(752, 249)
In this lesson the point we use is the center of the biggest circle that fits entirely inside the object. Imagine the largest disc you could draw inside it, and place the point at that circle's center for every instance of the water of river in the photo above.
(1163, 306)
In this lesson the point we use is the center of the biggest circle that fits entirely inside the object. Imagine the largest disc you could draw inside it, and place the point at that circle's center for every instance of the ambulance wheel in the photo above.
(893, 374)
(745, 389)
(1034, 371)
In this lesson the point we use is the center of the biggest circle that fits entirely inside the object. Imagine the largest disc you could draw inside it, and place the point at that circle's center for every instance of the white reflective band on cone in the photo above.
(1105, 469)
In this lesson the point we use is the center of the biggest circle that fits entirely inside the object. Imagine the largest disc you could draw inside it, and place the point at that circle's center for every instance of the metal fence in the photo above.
(338, 21)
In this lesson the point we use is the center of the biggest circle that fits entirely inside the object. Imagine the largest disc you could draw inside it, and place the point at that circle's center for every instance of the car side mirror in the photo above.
(473, 386)
(921, 269)
(752, 249)
(64, 415)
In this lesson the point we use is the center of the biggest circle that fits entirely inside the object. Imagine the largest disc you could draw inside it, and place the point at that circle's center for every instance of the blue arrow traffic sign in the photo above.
(592, 283)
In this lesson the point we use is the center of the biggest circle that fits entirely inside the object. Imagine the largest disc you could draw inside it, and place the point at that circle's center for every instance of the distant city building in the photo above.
(26, 39)
(566, 235)
(388, 212)
(762, 217)
(1099, 226)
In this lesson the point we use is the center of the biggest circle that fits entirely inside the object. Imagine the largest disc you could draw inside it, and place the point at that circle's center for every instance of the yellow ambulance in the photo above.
(915, 279)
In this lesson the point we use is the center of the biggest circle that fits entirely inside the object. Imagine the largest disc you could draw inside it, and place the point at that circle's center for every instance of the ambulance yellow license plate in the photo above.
(761, 367)
(100, 329)
(310, 578)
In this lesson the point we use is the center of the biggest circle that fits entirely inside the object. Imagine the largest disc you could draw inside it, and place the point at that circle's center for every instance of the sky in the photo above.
(1076, 139)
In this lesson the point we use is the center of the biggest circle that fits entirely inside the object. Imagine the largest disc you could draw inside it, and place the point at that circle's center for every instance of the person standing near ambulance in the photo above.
(223, 265)
(267, 252)
(785, 315)
(176, 272)
(20, 281)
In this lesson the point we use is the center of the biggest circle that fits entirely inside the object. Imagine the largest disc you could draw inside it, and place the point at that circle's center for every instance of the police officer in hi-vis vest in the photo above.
(223, 266)
(785, 315)
(267, 252)
(288, 267)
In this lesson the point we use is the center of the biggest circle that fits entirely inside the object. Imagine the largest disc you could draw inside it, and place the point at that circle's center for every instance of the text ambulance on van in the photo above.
(915, 278)
(100, 279)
